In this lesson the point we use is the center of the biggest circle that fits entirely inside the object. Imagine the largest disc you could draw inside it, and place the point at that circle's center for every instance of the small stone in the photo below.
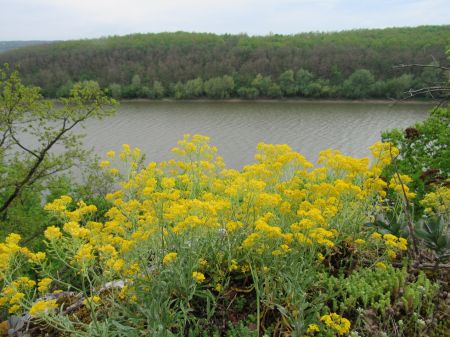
(4, 327)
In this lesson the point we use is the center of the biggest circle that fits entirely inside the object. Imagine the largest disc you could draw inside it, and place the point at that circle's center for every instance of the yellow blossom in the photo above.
(312, 328)
(198, 276)
(340, 324)
(43, 307)
(380, 265)
(168, 258)
(44, 284)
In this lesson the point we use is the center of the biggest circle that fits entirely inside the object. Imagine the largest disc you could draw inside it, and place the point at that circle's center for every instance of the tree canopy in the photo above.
(308, 64)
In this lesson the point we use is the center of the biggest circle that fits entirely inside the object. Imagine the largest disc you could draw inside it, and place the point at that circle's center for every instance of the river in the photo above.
(236, 127)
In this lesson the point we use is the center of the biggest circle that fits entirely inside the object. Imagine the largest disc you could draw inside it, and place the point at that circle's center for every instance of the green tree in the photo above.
(248, 93)
(287, 83)
(158, 89)
(262, 84)
(115, 90)
(398, 86)
(304, 79)
(274, 91)
(219, 87)
(194, 88)
(358, 84)
(64, 90)
(180, 90)
(379, 89)
(31, 128)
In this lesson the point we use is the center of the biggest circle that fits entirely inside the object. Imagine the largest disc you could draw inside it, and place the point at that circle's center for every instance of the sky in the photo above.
(75, 19)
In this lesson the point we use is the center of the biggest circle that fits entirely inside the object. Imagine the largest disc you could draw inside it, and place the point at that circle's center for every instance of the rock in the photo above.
(4, 327)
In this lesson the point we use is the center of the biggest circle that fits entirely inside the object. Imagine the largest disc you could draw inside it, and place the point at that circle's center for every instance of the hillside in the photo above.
(10, 45)
(307, 64)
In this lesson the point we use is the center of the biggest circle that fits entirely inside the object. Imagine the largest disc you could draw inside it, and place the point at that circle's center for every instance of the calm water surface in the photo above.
(236, 127)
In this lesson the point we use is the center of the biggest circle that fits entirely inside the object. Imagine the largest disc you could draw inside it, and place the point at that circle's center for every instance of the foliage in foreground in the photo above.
(39, 147)
(424, 152)
(191, 248)
(424, 158)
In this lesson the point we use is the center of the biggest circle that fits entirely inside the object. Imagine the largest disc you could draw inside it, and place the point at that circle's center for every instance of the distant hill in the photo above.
(9, 45)
(352, 64)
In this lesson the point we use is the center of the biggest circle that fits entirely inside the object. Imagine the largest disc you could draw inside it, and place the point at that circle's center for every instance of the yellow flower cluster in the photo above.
(59, 205)
(393, 244)
(169, 257)
(13, 294)
(10, 250)
(52, 233)
(399, 183)
(279, 206)
(312, 328)
(437, 202)
(43, 307)
(44, 284)
(384, 153)
(340, 324)
(198, 276)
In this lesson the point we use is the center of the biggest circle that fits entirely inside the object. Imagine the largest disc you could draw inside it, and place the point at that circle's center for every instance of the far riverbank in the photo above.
(284, 100)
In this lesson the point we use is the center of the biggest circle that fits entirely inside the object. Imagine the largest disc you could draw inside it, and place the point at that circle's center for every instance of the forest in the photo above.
(355, 64)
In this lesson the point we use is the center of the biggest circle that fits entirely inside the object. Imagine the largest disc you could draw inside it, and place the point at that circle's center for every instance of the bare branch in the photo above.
(400, 66)
(17, 142)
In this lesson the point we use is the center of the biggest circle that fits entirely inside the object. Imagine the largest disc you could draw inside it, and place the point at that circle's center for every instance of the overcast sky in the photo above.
(74, 19)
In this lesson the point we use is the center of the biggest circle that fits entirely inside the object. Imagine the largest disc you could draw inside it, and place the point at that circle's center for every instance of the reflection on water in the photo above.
(236, 127)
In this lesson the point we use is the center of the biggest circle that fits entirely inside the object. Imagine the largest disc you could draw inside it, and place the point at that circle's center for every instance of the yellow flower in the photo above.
(360, 241)
(337, 323)
(391, 254)
(380, 265)
(93, 299)
(111, 154)
(13, 309)
(375, 235)
(198, 276)
(104, 164)
(168, 183)
(233, 265)
(43, 307)
(118, 265)
(16, 298)
(52, 233)
(58, 205)
(37, 257)
(312, 328)
(168, 258)
(44, 284)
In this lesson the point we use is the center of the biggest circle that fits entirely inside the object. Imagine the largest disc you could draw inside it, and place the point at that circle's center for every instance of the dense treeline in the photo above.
(349, 64)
